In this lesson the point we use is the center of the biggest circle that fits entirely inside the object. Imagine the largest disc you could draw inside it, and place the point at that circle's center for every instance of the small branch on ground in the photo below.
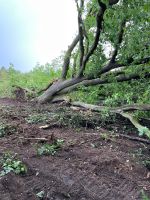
(40, 139)
(134, 138)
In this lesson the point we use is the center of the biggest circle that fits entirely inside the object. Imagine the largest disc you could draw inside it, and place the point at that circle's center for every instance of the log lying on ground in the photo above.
(122, 110)
(144, 107)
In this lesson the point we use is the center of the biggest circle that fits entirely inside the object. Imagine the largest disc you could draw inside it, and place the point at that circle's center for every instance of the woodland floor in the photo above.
(92, 164)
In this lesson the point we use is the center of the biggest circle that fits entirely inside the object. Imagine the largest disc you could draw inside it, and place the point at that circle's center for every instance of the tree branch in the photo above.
(129, 63)
(120, 110)
(143, 107)
(80, 28)
(67, 57)
(74, 69)
(91, 82)
(118, 42)
(112, 2)
(112, 63)
(100, 14)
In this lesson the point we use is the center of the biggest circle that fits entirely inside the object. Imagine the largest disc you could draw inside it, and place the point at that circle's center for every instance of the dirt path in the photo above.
(91, 165)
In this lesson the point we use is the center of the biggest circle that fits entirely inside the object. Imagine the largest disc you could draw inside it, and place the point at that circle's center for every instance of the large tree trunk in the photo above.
(56, 88)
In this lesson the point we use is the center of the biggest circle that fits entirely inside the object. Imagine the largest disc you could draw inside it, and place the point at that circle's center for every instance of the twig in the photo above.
(135, 138)
(41, 139)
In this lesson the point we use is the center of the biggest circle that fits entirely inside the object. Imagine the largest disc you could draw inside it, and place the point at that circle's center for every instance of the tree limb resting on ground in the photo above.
(122, 111)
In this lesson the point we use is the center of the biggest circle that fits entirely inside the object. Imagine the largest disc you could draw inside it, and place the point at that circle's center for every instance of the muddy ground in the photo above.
(93, 163)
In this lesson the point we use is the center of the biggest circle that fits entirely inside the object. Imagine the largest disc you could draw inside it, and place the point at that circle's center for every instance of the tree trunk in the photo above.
(65, 86)
(56, 88)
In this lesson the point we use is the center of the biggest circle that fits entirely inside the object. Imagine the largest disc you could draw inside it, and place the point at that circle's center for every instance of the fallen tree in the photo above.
(114, 22)
(124, 111)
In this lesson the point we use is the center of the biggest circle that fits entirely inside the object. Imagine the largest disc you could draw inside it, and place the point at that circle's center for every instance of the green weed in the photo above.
(37, 118)
(10, 164)
(50, 149)
(146, 163)
(144, 196)
(40, 194)
(6, 129)
(144, 131)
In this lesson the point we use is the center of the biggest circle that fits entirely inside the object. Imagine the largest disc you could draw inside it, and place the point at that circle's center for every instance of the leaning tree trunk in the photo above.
(62, 87)
(59, 88)
(85, 51)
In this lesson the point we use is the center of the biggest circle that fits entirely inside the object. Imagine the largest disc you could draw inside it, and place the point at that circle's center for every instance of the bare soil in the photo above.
(93, 163)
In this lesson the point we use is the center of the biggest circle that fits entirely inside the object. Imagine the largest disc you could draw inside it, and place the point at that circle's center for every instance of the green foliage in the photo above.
(50, 149)
(10, 164)
(36, 118)
(6, 129)
(72, 120)
(36, 79)
(114, 94)
(105, 136)
(144, 196)
(40, 194)
(86, 94)
(2, 130)
(144, 131)
(146, 163)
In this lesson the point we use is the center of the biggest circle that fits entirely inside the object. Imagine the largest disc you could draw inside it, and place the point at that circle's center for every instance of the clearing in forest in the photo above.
(77, 156)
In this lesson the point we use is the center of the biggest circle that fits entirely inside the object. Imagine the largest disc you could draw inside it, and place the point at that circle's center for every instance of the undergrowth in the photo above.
(10, 164)
(50, 149)
(7, 129)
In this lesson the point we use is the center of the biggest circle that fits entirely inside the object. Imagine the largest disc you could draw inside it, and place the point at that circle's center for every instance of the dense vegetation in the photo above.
(36, 79)
(113, 94)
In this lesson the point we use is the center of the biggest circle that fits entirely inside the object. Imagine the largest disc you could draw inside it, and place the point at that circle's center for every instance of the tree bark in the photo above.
(67, 57)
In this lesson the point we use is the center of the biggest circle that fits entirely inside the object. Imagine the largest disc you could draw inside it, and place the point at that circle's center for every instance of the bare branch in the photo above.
(80, 27)
(66, 63)
(75, 65)
(120, 110)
